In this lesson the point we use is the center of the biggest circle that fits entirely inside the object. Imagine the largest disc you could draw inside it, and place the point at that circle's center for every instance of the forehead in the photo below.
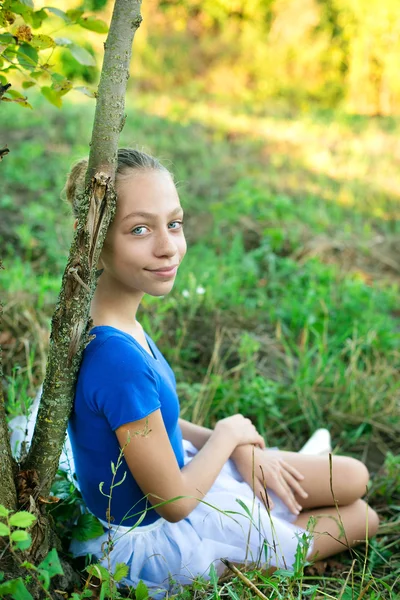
(150, 191)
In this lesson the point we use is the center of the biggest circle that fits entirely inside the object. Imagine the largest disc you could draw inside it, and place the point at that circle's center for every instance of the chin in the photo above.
(160, 290)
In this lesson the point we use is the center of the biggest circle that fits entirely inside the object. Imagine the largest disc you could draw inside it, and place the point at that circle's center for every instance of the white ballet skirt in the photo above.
(166, 555)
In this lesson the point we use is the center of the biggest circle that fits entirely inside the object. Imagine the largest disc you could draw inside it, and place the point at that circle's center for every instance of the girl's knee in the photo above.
(354, 477)
(373, 522)
(368, 519)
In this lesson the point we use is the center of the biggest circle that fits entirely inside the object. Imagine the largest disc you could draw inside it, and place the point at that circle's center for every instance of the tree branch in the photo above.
(110, 107)
(71, 320)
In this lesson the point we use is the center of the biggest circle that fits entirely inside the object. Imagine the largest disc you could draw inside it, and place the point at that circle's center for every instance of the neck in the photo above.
(114, 305)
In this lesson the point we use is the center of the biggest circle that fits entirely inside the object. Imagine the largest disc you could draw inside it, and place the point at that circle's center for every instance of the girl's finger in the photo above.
(284, 492)
(263, 496)
(261, 443)
(291, 470)
(294, 484)
(287, 497)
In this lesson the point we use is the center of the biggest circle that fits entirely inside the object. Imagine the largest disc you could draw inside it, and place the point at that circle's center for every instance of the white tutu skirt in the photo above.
(228, 523)
(165, 555)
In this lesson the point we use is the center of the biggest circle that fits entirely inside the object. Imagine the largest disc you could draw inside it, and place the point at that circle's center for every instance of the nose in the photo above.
(165, 244)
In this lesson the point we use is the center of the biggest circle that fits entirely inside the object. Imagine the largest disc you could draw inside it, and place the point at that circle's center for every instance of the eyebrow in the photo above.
(146, 215)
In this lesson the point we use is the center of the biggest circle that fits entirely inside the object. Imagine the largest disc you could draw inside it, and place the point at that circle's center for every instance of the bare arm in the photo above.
(196, 434)
(153, 464)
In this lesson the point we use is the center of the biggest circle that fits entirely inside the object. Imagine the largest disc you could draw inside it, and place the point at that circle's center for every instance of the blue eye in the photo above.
(137, 230)
(177, 223)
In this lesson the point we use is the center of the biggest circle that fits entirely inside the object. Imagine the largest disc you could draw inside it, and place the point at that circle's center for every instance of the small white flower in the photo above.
(185, 293)
(200, 290)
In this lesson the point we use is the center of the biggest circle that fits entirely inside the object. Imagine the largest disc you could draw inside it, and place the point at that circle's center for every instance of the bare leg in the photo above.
(349, 478)
(359, 521)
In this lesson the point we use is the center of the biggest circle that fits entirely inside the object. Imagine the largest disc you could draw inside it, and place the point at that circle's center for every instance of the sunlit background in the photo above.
(281, 122)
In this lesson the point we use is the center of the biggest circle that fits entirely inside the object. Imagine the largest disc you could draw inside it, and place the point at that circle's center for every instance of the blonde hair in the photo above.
(128, 159)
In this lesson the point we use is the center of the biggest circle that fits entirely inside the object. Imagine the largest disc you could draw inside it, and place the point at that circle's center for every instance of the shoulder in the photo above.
(113, 355)
(118, 381)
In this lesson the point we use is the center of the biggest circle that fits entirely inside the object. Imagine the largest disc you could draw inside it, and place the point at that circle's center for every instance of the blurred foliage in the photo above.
(30, 54)
(323, 52)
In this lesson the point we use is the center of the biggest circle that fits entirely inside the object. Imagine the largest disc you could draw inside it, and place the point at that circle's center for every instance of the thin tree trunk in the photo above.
(110, 108)
(8, 496)
(71, 320)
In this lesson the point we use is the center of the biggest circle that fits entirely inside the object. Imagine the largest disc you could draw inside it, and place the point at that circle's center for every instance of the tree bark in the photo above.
(8, 467)
(71, 320)
(110, 117)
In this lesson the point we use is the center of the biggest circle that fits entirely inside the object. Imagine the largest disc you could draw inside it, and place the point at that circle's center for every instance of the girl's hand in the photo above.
(272, 472)
(241, 430)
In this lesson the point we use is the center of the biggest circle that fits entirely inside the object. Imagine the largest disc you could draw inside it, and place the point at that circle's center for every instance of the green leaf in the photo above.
(38, 17)
(19, 535)
(22, 518)
(44, 578)
(62, 86)
(52, 564)
(84, 90)
(88, 527)
(98, 571)
(104, 590)
(28, 565)
(4, 530)
(82, 55)
(232, 594)
(93, 24)
(141, 592)
(112, 468)
(27, 56)
(4, 512)
(214, 577)
(121, 571)
(42, 42)
(24, 544)
(96, 4)
(121, 480)
(57, 12)
(3, 20)
(6, 38)
(74, 14)
(284, 573)
(57, 78)
(101, 485)
(16, 589)
(245, 507)
(311, 590)
(27, 3)
(28, 84)
(61, 41)
(20, 8)
(52, 96)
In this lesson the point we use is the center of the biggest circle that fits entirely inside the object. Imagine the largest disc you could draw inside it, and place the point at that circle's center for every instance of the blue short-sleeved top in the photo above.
(118, 382)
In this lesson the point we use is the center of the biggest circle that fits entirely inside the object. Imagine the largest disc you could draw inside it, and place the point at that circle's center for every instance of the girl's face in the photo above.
(145, 243)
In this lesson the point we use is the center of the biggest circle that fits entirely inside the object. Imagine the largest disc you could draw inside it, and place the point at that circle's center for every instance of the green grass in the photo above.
(292, 223)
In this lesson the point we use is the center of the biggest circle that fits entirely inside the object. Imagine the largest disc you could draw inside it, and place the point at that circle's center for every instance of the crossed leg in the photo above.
(349, 483)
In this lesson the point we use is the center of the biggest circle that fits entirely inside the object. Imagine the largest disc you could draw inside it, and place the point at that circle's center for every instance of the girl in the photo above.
(183, 496)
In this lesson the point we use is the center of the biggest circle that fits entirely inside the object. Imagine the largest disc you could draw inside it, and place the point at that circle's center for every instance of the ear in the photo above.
(75, 224)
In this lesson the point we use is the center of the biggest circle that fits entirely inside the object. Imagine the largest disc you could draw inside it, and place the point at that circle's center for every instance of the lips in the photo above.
(164, 272)
(164, 269)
